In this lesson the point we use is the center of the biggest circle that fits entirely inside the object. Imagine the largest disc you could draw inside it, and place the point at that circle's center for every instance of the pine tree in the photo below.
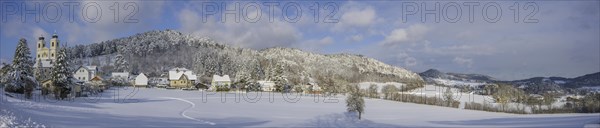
(22, 80)
(355, 101)
(121, 65)
(243, 80)
(279, 79)
(60, 75)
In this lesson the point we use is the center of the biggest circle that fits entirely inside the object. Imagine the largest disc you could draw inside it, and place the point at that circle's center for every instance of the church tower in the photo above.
(41, 44)
(42, 50)
(54, 44)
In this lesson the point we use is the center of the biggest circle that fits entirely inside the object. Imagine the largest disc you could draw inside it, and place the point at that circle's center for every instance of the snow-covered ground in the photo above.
(457, 82)
(168, 108)
(591, 88)
(366, 85)
(438, 91)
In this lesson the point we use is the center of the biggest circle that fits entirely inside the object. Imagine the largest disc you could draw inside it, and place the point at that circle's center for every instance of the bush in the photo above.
(222, 89)
(491, 108)
(424, 100)
(14, 89)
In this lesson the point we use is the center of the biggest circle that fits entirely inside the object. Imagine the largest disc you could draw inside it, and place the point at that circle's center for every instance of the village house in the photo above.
(47, 87)
(85, 73)
(141, 81)
(220, 81)
(181, 78)
(97, 84)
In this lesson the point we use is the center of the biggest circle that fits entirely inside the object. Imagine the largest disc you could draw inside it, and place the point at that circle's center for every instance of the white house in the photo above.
(266, 85)
(220, 80)
(176, 73)
(141, 80)
(85, 73)
(182, 78)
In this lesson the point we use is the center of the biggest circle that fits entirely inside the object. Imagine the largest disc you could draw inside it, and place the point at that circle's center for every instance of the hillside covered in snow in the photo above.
(155, 52)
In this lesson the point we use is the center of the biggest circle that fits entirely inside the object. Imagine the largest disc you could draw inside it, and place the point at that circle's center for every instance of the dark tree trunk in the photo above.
(359, 114)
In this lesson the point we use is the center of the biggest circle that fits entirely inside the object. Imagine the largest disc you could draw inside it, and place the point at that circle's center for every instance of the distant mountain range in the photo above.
(434, 73)
(533, 85)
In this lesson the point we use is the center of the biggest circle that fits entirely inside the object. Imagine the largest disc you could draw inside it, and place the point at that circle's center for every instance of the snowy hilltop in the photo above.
(535, 85)
(154, 52)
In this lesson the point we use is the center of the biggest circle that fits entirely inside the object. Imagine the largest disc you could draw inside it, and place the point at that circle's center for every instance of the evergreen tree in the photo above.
(121, 65)
(279, 78)
(21, 77)
(243, 80)
(22, 60)
(331, 85)
(60, 75)
(355, 101)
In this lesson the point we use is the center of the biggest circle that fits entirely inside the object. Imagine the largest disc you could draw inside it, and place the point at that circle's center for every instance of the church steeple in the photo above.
(54, 44)
(41, 44)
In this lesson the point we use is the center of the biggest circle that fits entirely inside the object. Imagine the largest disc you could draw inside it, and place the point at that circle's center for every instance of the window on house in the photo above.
(52, 44)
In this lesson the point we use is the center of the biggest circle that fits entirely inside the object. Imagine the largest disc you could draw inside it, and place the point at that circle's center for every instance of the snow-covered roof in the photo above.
(89, 68)
(45, 64)
(224, 78)
(93, 68)
(141, 76)
(96, 78)
(176, 73)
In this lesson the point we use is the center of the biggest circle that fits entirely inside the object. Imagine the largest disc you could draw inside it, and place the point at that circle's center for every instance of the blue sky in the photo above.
(551, 38)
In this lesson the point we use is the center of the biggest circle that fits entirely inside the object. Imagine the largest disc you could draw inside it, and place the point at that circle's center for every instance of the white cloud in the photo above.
(357, 38)
(16, 29)
(258, 35)
(463, 61)
(37, 31)
(315, 45)
(326, 41)
(413, 33)
(359, 17)
(82, 31)
(410, 61)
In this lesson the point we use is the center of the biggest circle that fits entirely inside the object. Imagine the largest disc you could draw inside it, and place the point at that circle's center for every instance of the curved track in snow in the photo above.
(192, 105)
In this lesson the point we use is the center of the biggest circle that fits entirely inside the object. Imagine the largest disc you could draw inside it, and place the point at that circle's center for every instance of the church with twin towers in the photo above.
(46, 54)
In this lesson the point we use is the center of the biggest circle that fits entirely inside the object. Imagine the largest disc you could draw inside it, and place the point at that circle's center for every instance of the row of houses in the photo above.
(181, 78)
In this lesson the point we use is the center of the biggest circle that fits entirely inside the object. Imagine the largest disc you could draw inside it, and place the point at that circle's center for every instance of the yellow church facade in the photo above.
(47, 53)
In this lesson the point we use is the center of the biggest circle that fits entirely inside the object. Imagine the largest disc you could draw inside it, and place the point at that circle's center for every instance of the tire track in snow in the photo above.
(186, 110)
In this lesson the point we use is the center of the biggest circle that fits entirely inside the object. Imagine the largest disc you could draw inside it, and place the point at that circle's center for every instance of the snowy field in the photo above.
(168, 108)
(457, 82)
(366, 85)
